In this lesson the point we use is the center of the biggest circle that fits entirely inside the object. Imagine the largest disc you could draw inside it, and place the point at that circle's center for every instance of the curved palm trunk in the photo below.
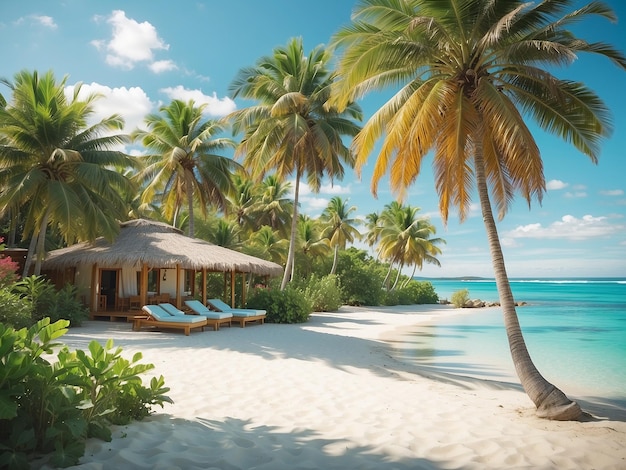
(395, 283)
(30, 253)
(189, 188)
(292, 238)
(336, 255)
(551, 402)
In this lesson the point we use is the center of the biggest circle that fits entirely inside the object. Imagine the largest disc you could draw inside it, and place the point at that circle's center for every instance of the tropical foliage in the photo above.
(56, 166)
(50, 407)
(470, 74)
(291, 129)
(184, 166)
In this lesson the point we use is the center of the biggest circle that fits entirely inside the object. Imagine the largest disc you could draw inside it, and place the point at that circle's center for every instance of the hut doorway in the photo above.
(108, 287)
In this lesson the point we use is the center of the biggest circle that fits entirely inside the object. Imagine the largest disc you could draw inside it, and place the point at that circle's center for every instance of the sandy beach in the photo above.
(328, 394)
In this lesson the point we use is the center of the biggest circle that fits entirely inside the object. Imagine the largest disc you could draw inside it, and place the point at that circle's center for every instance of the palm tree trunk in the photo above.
(189, 190)
(30, 253)
(395, 283)
(292, 238)
(334, 267)
(386, 280)
(41, 243)
(406, 283)
(551, 402)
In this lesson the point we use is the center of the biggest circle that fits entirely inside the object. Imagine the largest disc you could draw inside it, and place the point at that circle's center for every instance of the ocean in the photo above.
(575, 331)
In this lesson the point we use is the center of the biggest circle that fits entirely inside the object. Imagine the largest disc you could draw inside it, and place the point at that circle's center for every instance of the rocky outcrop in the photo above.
(478, 303)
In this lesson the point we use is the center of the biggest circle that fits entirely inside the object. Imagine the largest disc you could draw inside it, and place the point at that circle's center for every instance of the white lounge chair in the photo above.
(240, 315)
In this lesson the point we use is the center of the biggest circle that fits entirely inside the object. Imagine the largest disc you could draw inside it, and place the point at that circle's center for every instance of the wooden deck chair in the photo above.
(214, 319)
(240, 315)
(156, 317)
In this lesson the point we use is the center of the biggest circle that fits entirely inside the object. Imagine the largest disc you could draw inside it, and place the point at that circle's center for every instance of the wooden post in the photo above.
(179, 299)
(232, 288)
(144, 284)
(95, 290)
(204, 285)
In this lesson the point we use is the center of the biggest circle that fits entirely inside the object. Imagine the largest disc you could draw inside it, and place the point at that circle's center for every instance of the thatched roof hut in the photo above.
(157, 244)
(144, 244)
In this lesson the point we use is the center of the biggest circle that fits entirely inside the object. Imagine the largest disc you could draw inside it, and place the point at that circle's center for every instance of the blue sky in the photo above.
(142, 54)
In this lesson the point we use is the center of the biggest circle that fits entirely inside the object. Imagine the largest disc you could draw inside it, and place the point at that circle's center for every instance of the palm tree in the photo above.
(185, 166)
(406, 239)
(267, 244)
(470, 73)
(292, 130)
(59, 167)
(310, 244)
(340, 228)
(273, 207)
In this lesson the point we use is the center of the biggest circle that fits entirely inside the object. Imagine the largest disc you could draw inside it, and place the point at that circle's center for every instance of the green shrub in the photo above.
(389, 298)
(66, 306)
(286, 306)
(418, 292)
(53, 407)
(324, 293)
(460, 298)
(361, 277)
(15, 310)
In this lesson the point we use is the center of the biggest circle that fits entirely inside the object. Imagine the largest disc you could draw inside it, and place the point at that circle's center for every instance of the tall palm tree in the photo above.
(184, 165)
(470, 73)
(57, 165)
(292, 130)
(406, 239)
(339, 227)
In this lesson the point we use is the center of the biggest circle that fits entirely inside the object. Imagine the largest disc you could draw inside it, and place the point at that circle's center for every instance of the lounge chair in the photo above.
(240, 315)
(157, 317)
(213, 318)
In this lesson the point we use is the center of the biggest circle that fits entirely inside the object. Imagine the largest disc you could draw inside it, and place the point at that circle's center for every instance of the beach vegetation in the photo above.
(404, 239)
(184, 164)
(291, 130)
(288, 305)
(56, 169)
(460, 298)
(339, 227)
(323, 292)
(48, 408)
(466, 75)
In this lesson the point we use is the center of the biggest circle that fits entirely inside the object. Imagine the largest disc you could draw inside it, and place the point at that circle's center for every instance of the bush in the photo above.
(15, 311)
(361, 278)
(53, 407)
(418, 292)
(46, 301)
(324, 293)
(66, 306)
(460, 298)
(286, 306)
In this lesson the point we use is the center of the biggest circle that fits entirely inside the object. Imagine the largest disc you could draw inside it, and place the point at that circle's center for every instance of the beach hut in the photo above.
(148, 262)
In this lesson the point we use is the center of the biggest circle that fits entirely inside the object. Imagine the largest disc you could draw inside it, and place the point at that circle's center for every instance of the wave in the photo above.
(550, 281)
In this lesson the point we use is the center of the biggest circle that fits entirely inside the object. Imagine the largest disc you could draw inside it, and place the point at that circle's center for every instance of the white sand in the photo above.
(328, 395)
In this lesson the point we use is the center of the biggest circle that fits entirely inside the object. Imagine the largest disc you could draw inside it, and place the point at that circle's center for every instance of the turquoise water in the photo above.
(575, 330)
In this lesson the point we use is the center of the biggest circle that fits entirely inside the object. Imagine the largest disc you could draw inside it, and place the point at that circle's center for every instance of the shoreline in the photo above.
(329, 394)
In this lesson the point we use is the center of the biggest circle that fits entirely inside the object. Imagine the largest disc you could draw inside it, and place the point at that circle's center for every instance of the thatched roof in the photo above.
(160, 246)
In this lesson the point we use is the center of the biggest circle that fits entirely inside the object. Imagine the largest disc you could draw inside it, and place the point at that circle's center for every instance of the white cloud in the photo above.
(555, 184)
(568, 228)
(214, 106)
(131, 103)
(131, 42)
(334, 189)
(46, 21)
(613, 192)
(161, 66)
(576, 194)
